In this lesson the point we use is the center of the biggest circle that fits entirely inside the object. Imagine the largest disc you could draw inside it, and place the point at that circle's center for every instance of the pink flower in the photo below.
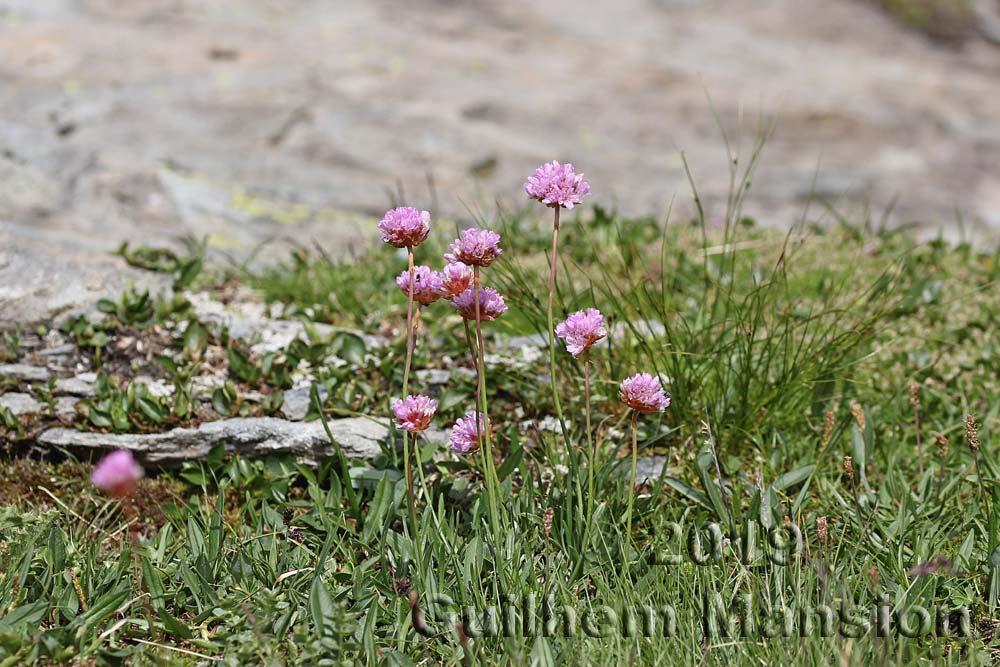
(455, 279)
(475, 247)
(491, 304)
(405, 227)
(464, 436)
(426, 284)
(581, 330)
(415, 412)
(642, 393)
(117, 474)
(556, 184)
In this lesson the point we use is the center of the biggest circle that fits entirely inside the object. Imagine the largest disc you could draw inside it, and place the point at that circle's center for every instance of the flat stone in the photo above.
(647, 468)
(80, 385)
(25, 373)
(21, 404)
(434, 376)
(357, 437)
(297, 402)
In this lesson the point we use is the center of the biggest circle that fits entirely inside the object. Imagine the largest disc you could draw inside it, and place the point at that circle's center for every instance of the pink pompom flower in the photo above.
(491, 304)
(405, 227)
(475, 247)
(426, 284)
(642, 393)
(414, 413)
(465, 434)
(581, 330)
(117, 474)
(455, 279)
(556, 184)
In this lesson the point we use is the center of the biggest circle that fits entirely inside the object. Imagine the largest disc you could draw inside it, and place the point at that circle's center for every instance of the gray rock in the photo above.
(82, 385)
(434, 376)
(21, 404)
(296, 404)
(357, 437)
(647, 468)
(25, 373)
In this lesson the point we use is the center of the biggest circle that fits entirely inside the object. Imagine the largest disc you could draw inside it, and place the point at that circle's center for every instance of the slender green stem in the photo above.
(552, 326)
(591, 446)
(632, 480)
(484, 437)
(407, 454)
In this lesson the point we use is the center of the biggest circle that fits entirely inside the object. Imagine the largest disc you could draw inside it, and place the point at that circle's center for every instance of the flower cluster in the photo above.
(556, 184)
(642, 393)
(581, 330)
(491, 304)
(426, 284)
(405, 227)
(455, 279)
(415, 412)
(466, 433)
(475, 247)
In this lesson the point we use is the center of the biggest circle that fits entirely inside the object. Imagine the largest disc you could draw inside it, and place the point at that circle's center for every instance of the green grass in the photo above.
(785, 353)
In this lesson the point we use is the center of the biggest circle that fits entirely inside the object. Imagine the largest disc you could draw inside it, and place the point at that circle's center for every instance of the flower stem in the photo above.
(632, 480)
(407, 454)
(591, 446)
(490, 474)
(552, 326)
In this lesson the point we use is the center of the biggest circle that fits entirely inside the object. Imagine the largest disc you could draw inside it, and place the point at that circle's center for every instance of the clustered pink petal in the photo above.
(117, 474)
(642, 393)
(405, 227)
(475, 247)
(464, 436)
(455, 279)
(491, 304)
(426, 284)
(556, 184)
(581, 330)
(415, 412)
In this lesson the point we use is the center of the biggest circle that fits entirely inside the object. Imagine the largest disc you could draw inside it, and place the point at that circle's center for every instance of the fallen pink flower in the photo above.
(117, 474)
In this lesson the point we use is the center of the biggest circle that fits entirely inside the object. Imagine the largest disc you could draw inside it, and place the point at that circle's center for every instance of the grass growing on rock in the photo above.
(785, 353)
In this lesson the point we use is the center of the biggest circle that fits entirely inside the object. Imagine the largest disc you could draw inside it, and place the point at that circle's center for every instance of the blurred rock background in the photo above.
(267, 123)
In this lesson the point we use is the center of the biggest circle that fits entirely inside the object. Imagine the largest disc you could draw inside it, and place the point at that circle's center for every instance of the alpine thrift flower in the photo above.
(426, 284)
(414, 413)
(455, 279)
(464, 436)
(475, 247)
(642, 393)
(581, 330)
(405, 227)
(117, 474)
(491, 304)
(556, 184)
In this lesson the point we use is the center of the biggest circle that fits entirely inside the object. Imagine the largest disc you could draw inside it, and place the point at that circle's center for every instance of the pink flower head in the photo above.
(464, 436)
(414, 413)
(491, 304)
(405, 227)
(426, 284)
(642, 393)
(556, 184)
(455, 279)
(581, 330)
(117, 473)
(475, 247)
